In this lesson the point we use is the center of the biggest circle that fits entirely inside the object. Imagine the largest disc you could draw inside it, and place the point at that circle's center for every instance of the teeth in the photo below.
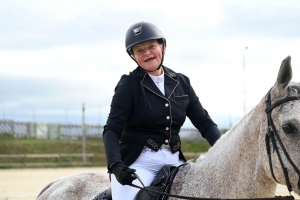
(149, 59)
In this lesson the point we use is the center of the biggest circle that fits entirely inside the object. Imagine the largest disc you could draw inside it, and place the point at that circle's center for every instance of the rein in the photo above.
(272, 135)
(197, 198)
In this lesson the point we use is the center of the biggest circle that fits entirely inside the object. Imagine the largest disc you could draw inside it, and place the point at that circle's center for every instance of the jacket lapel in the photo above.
(170, 82)
(150, 85)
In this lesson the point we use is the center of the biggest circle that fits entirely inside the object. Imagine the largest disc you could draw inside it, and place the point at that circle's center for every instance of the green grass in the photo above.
(11, 145)
(195, 146)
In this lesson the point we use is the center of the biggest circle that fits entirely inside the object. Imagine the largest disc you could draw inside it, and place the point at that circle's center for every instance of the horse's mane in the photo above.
(295, 87)
(238, 124)
(226, 135)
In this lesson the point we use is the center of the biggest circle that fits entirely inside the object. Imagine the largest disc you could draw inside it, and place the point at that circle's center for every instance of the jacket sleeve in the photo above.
(201, 119)
(112, 149)
(121, 108)
(212, 134)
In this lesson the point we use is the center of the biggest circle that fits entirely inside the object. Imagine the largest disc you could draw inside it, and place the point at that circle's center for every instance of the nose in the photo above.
(147, 51)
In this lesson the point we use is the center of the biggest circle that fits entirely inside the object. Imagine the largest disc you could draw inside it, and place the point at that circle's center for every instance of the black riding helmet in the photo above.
(141, 32)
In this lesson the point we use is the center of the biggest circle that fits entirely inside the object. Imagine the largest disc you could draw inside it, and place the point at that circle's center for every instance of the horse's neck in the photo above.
(239, 146)
(233, 167)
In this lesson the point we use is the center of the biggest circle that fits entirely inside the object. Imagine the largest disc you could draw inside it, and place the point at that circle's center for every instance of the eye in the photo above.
(139, 51)
(289, 129)
(152, 46)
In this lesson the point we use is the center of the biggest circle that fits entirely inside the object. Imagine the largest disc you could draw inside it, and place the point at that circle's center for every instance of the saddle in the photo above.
(161, 183)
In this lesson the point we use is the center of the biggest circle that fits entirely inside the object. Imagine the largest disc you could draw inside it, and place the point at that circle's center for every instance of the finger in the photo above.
(131, 171)
(130, 177)
(133, 175)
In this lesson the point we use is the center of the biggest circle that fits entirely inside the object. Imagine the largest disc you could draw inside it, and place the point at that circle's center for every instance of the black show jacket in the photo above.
(141, 115)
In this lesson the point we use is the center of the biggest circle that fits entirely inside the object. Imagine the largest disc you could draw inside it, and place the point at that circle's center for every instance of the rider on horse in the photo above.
(149, 107)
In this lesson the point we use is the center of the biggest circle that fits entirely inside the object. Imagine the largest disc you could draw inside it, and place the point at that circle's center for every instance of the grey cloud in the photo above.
(257, 21)
(51, 93)
(20, 89)
(22, 29)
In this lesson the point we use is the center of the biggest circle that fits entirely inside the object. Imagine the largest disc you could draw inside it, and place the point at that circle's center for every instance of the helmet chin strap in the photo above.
(162, 59)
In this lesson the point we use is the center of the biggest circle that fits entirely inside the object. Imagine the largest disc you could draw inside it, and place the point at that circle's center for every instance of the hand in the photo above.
(123, 174)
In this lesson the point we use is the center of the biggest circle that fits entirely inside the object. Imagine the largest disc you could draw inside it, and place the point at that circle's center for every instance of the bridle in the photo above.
(273, 136)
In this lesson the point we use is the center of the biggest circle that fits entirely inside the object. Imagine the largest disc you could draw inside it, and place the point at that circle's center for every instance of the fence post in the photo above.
(83, 137)
(58, 131)
(28, 130)
(48, 131)
(35, 130)
(12, 127)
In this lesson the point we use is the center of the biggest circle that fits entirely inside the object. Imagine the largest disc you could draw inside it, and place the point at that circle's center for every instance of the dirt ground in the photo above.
(25, 184)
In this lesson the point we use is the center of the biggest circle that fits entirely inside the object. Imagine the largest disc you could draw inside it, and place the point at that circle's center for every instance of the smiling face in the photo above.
(149, 55)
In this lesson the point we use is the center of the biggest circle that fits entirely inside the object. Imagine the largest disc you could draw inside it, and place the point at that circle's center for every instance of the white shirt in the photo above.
(159, 81)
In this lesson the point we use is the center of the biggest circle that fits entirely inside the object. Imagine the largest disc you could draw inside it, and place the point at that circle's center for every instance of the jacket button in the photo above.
(166, 104)
(168, 117)
(167, 128)
(166, 141)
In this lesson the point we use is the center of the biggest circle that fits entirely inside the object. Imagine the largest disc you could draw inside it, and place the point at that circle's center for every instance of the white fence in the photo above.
(70, 131)
(49, 131)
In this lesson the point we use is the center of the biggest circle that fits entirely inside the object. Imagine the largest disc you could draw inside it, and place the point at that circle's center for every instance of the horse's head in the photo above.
(283, 135)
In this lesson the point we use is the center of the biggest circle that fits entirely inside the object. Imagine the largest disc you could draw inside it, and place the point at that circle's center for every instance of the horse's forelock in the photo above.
(295, 87)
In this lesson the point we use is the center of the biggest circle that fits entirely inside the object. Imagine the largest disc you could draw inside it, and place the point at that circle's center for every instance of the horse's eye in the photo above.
(288, 128)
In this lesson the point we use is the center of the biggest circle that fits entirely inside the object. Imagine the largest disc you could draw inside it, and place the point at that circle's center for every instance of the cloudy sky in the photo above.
(57, 54)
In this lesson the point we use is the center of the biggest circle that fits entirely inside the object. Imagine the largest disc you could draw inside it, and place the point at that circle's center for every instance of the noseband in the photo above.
(272, 135)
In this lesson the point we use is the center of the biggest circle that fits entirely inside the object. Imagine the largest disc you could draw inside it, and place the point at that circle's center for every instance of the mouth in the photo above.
(149, 59)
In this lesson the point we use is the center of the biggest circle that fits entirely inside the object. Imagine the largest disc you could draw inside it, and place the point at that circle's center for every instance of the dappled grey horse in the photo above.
(260, 150)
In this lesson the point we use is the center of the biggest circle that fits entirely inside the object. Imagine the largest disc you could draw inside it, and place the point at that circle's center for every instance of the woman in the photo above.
(147, 111)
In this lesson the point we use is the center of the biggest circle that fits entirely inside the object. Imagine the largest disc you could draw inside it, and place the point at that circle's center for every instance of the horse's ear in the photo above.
(285, 74)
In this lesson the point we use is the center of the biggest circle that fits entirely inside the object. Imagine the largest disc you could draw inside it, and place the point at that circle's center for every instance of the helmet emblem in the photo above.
(137, 31)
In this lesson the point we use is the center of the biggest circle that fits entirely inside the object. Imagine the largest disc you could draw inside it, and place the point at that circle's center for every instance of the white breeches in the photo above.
(147, 166)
